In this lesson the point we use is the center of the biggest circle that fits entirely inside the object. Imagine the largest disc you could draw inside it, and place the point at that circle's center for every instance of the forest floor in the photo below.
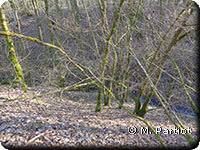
(70, 120)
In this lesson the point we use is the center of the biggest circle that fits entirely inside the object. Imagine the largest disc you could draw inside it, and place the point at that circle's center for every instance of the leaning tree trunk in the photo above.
(12, 55)
(12, 4)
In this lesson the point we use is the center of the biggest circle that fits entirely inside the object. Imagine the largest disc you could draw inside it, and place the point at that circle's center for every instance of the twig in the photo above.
(36, 137)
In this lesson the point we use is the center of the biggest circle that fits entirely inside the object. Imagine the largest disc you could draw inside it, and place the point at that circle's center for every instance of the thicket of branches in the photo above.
(119, 48)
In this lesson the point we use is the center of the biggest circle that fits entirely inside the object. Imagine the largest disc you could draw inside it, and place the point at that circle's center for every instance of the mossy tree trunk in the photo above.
(160, 60)
(104, 25)
(50, 29)
(30, 82)
(35, 6)
(12, 55)
(106, 53)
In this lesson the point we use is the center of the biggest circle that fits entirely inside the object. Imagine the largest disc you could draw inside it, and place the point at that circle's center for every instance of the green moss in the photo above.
(141, 112)
(12, 55)
(99, 105)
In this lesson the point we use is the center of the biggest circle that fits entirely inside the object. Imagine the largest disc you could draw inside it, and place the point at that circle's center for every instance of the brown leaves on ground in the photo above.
(70, 120)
